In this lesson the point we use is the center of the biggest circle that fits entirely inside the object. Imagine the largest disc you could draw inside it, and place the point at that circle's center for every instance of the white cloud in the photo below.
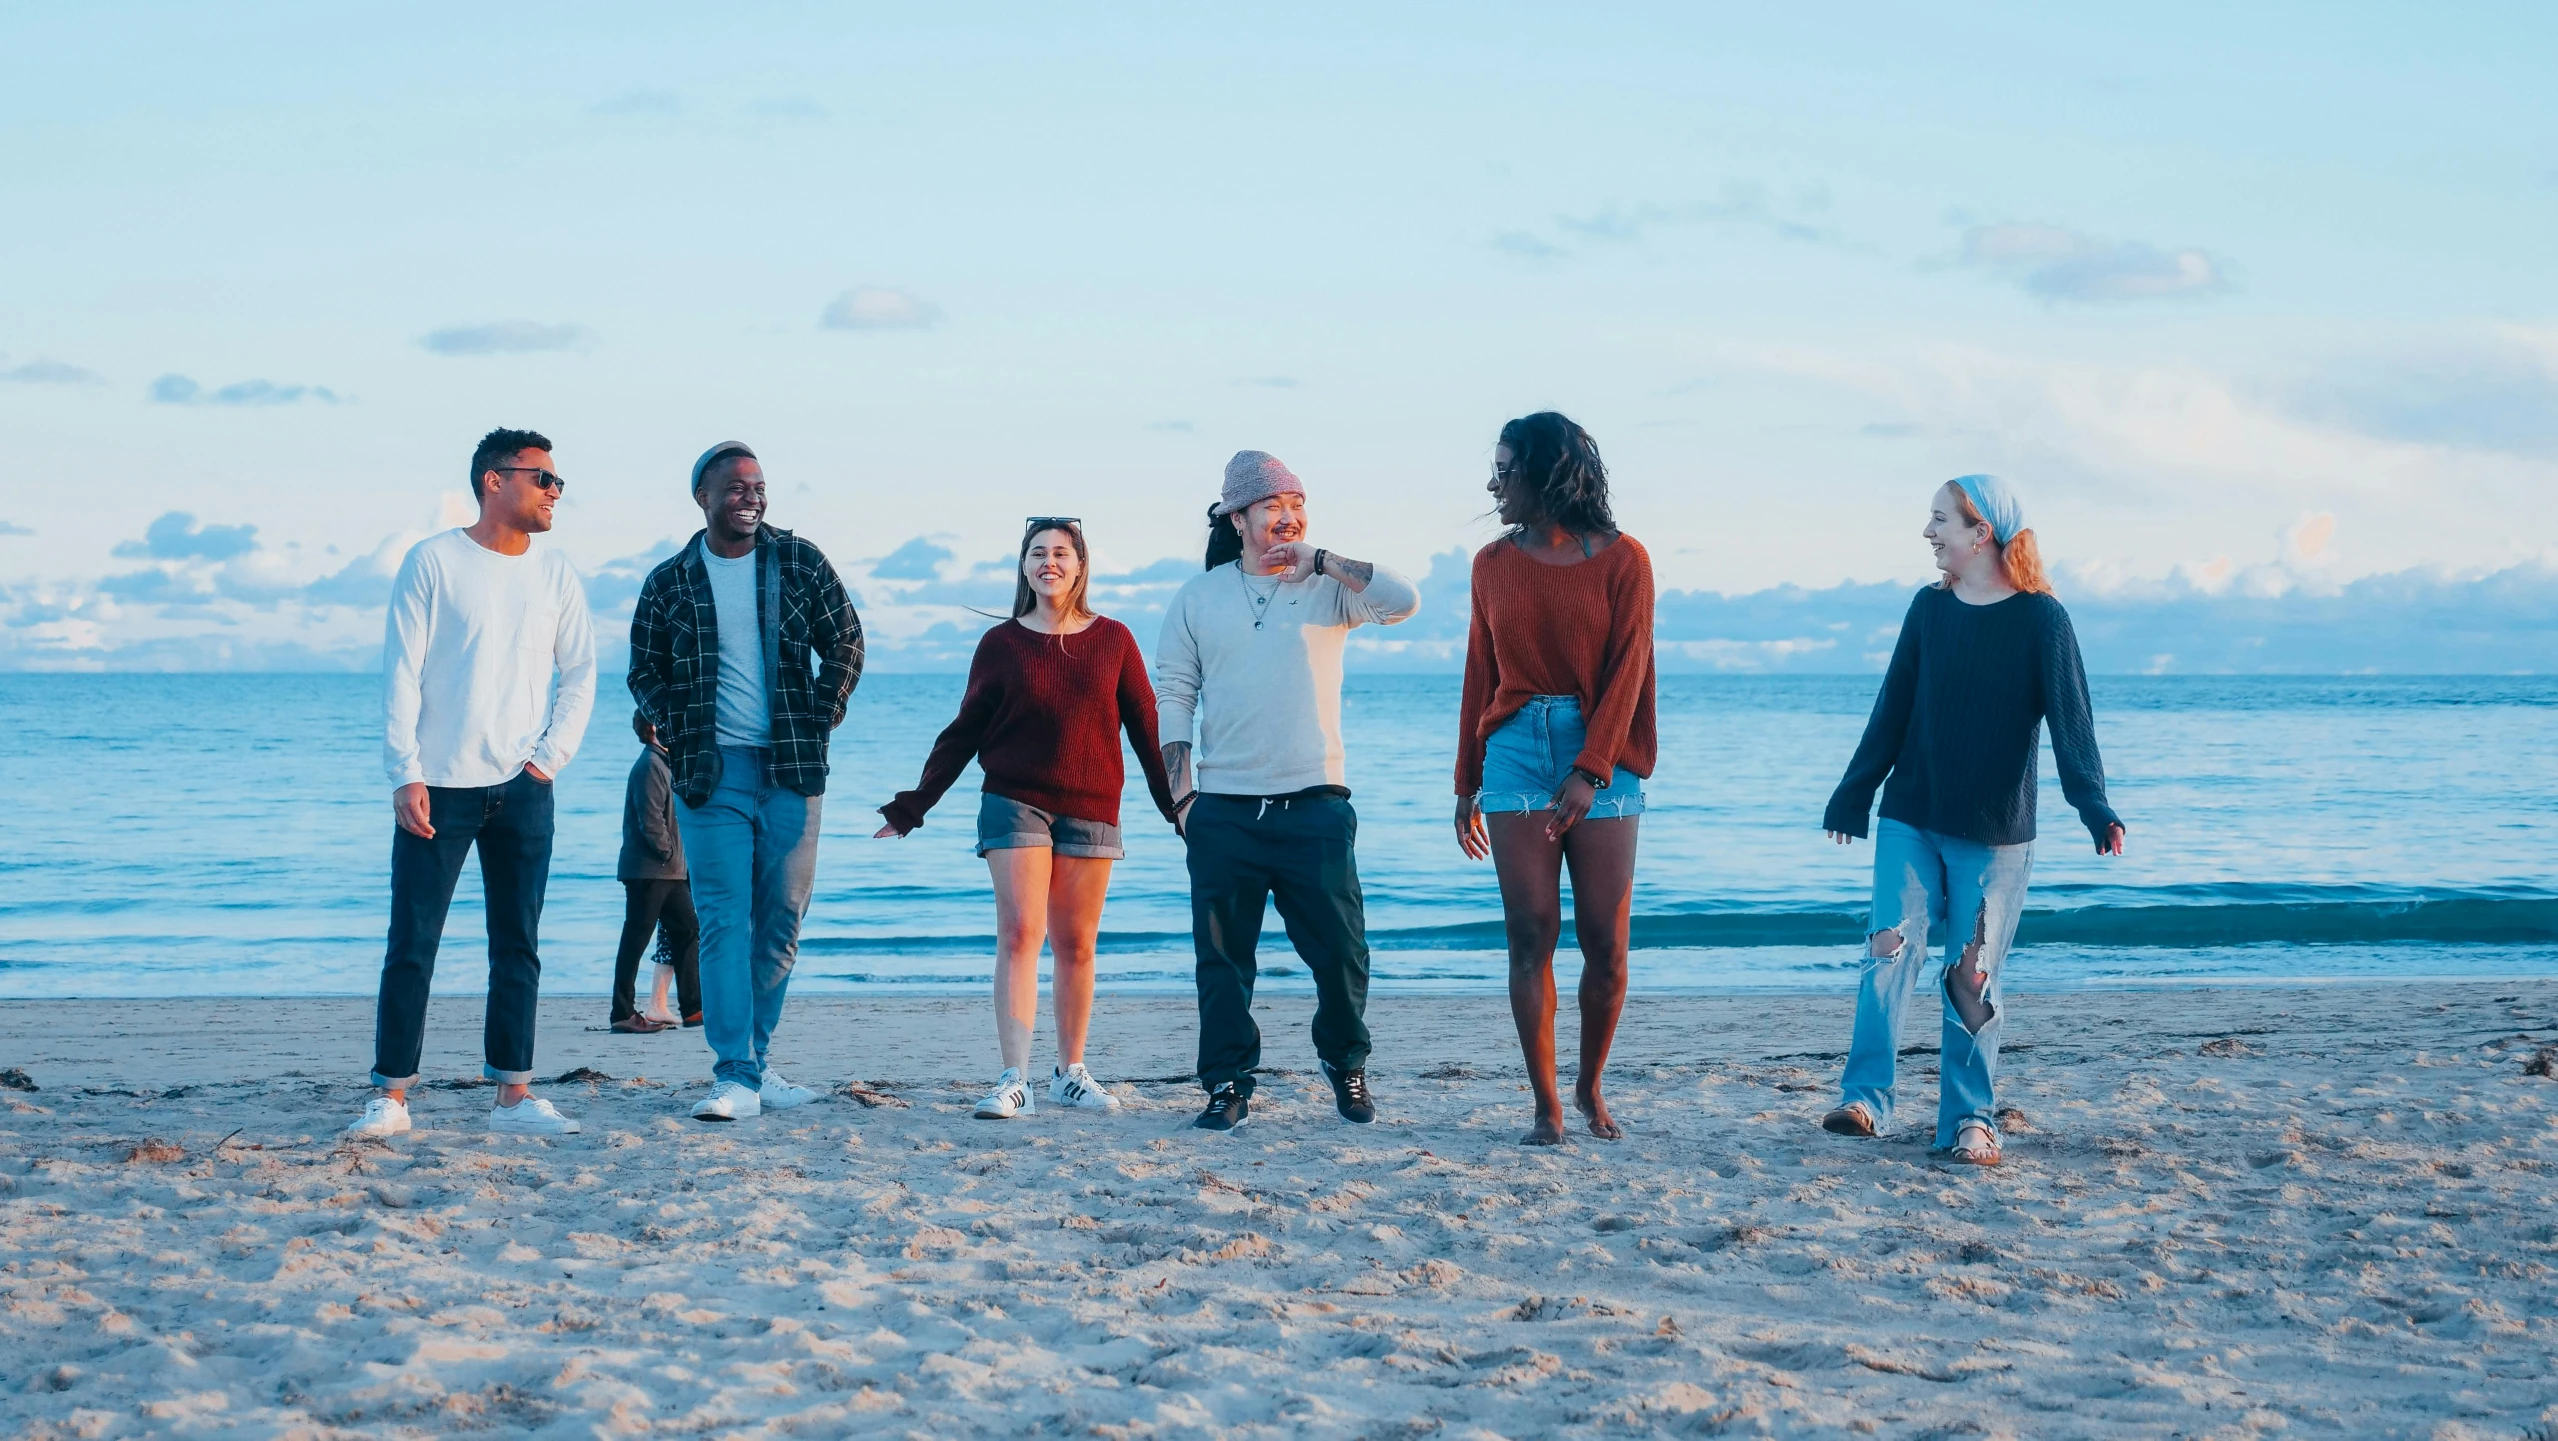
(878, 307)
(182, 390)
(1741, 204)
(49, 372)
(2494, 390)
(179, 536)
(1528, 247)
(506, 337)
(2056, 264)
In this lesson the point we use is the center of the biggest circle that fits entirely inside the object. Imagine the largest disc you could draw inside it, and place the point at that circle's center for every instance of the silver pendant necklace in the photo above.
(1260, 603)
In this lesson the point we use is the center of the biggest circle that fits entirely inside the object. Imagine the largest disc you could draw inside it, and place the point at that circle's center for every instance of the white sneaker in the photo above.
(729, 1101)
(1011, 1097)
(531, 1116)
(781, 1095)
(383, 1116)
(1074, 1086)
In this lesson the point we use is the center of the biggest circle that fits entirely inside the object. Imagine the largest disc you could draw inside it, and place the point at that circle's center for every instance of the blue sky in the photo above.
(2251, 304)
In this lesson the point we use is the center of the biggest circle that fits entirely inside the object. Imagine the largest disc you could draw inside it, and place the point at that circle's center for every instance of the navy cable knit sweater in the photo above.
(1958, 725)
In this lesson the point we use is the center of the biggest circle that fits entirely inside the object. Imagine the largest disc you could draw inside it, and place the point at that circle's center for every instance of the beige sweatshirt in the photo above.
(1252, 667)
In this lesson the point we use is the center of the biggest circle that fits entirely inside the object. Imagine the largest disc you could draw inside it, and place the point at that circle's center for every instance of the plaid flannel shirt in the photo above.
(675, 660)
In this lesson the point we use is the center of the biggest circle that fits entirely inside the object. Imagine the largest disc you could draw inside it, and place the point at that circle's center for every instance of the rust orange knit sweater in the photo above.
(1582, 630)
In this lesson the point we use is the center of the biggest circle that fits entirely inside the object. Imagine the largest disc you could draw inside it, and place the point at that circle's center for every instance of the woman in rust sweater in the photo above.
(1554, 738)
(1048, 695)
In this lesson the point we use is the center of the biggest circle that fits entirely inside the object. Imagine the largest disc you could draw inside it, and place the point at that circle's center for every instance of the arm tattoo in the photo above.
(1353, 573)
(1177, 769)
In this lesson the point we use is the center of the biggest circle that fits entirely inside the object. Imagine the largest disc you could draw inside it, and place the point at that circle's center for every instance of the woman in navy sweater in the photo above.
(1048, 695)
(1986, 656)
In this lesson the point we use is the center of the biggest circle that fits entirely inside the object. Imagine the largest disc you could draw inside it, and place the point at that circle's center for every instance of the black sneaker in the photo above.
(1228, 1109)
(1350, 1094)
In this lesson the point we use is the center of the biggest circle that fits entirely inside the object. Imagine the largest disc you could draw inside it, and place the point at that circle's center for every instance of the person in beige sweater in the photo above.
(1250, 664)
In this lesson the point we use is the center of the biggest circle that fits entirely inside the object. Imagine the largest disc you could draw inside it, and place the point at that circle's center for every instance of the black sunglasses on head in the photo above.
(1046, 522)
(543, 478)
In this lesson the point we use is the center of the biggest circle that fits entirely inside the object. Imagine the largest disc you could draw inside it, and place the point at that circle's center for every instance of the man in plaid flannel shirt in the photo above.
(744, 723)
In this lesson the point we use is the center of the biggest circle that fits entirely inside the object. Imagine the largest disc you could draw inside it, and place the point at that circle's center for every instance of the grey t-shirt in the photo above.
(745, 718)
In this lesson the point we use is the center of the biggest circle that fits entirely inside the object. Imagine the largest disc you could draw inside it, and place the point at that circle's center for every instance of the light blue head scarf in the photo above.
(1997, 504)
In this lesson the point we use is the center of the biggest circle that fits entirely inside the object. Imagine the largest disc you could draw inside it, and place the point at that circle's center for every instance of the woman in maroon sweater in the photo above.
(1048, 695)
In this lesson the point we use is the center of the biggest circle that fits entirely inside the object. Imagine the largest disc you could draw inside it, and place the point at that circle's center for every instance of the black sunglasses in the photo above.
(1044, 522)
(543, 478)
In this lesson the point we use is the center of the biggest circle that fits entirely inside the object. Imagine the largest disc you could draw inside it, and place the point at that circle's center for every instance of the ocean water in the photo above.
(229, 835)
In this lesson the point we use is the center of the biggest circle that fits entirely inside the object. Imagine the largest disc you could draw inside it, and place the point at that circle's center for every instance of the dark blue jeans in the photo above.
(511, 825)
(1246, 852)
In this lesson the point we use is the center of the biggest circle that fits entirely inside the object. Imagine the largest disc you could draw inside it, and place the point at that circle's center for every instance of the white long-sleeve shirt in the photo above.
(470, 653)
(1265, 700)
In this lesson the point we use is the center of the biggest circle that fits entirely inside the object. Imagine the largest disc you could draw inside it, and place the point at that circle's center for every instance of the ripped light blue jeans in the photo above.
(1921, 881)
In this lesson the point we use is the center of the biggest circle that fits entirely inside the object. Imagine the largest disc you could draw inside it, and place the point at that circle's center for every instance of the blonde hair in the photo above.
(2020, 559)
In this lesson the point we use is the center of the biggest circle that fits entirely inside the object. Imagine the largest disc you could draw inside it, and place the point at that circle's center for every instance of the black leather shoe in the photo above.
(1350, 1094)
(1228, 1109)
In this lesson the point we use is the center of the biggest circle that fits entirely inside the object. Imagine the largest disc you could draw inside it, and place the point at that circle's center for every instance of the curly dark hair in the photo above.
(497, 448)
(1561, 462)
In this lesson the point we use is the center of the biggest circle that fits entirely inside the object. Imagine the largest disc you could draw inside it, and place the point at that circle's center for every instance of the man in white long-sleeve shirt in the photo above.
(489, 665)
(1251, 656)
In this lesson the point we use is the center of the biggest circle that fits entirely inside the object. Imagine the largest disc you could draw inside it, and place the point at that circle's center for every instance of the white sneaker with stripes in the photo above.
(1010, 1098)
(1075, 1087)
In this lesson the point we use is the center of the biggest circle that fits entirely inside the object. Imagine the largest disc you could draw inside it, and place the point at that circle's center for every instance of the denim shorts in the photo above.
(1005, 824)
(1525, 761)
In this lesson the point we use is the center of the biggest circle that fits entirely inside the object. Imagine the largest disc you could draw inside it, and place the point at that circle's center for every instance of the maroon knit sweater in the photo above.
(1042, 716)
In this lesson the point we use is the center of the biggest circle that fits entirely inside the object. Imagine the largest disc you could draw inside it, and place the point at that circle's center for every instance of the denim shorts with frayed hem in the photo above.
(1525, 761)
(1005, 824)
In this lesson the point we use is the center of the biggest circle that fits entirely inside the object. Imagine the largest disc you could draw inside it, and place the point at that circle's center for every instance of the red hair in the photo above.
(2020, 559)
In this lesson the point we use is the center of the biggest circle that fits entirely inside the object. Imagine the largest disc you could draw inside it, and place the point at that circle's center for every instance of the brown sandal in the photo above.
(636, 1024)
(1852, 1119)
(1981, 1152)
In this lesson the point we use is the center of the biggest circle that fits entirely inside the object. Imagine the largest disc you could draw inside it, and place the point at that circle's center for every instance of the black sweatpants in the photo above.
(1246, 851)
(664, 908)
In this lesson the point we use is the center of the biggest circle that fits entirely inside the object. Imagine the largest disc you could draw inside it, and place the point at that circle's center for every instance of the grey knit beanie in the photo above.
(725, 447)
(1256, 475)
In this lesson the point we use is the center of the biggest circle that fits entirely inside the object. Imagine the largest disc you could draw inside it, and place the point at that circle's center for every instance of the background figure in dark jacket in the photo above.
(657, 900)
(1986, 656)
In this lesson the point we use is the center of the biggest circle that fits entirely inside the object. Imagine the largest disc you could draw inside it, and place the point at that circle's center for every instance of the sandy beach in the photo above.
(2223, 1213)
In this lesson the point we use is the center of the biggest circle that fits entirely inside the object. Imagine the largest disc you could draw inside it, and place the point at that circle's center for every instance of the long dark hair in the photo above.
(1561, 463)
(1225, 540)
(1025, 599)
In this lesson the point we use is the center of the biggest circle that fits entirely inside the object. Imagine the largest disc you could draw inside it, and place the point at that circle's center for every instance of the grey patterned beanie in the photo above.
(1255, 475)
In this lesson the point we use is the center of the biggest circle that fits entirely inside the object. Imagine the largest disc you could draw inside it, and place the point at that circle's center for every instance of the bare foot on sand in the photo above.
(1594, 1109)
(1548, 1131)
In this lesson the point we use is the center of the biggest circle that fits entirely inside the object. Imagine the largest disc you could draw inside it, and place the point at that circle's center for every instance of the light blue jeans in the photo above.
(752, 850)
(1921, 879)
